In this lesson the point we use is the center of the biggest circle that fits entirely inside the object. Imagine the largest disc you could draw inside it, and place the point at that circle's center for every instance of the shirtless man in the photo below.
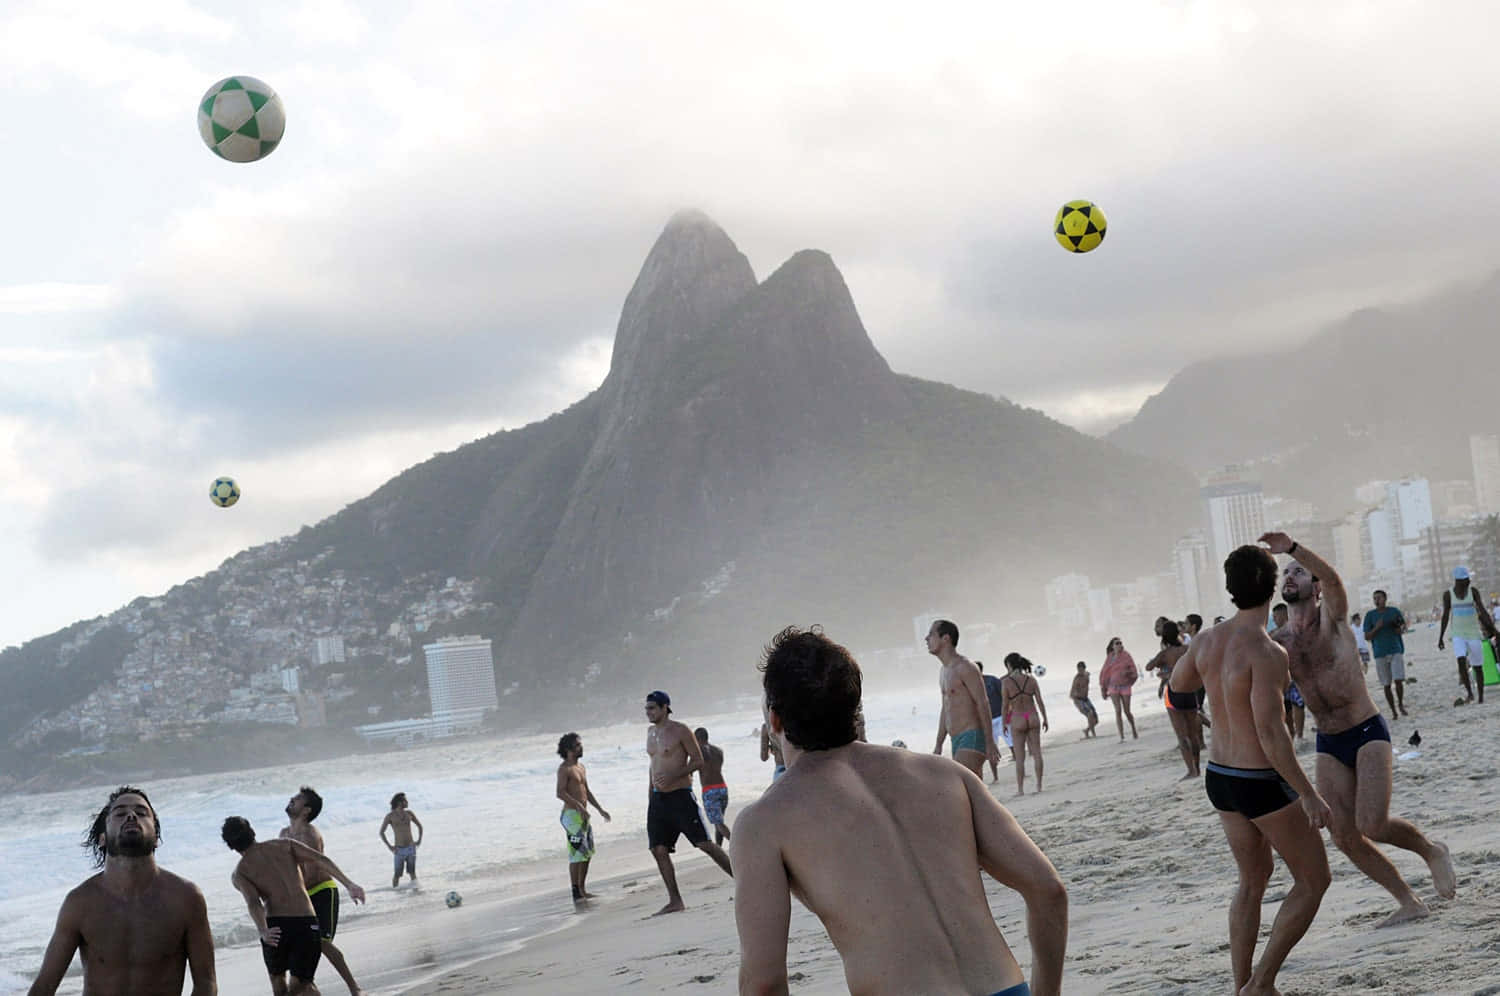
(301, 810)
(137, 927)
(1079, 693)
(715, 789)
(1471, 624)
(1026, 714)
(1354, 742)
(768, 750)
(273, 877)
(404, 850)
(965, 716)
(573, 790)
(672, 810)
(1253, 779)
(885, 846)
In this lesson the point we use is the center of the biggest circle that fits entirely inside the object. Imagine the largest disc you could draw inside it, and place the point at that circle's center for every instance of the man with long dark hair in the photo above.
(137, 927)
(885, 846)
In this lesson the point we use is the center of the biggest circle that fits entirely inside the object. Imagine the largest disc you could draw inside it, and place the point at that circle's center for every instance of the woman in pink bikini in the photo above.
(1116, 679)
(1023, 706)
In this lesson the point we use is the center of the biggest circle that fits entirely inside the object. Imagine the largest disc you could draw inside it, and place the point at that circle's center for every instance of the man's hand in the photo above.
(1316, 810)
(994, 754)
(271, 936)
(356, 893)
(604, 814)
(1440, 644)
(391, 848)
(1278, 542)
(1044, 725)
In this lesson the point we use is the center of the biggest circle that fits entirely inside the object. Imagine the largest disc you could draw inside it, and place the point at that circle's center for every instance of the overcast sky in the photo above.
(441, 245)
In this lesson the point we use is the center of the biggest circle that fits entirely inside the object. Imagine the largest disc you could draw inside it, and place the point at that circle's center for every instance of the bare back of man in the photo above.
(712, 772)
(1254, 781)
(326, 893)
(1353, 742)
(883, 845)
(275, 868)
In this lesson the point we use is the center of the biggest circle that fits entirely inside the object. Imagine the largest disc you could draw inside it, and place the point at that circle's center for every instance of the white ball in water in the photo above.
(453, 900)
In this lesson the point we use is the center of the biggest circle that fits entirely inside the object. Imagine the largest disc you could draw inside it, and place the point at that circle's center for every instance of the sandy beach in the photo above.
(1149, 879)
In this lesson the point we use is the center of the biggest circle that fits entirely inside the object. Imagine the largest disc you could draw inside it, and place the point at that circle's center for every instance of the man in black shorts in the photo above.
(1264, 798)
(673, 811)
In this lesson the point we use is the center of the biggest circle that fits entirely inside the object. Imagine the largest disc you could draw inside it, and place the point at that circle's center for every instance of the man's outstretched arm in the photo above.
(1014, 860)
(200, 947)
(1268, 681)
(1335, 598)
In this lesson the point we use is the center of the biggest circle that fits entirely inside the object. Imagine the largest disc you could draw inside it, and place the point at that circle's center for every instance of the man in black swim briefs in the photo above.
(1354, 743)
(1264, 798)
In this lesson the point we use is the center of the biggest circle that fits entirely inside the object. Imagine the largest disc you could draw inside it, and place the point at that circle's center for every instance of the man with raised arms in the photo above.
(672, 811)
(301, 810)
(965, 716)
(885, 847)
(1264, 799)
(1354, 742)
(138, 928)
(273, 876)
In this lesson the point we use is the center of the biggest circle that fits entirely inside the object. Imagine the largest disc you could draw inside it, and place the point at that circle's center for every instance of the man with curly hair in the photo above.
(573, 790)
(138, 928)
(885, 846)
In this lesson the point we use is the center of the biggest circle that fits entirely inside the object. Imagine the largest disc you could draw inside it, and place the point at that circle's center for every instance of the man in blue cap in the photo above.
(673, 811)
(1466, 609)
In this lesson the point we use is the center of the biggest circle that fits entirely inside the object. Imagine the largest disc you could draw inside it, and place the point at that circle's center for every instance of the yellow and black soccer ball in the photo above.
(1080, 226)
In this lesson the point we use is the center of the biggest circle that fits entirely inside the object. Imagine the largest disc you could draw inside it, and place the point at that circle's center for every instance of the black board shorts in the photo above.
(674, 814)
(326, 905)
(1251, 792)
(299, 949)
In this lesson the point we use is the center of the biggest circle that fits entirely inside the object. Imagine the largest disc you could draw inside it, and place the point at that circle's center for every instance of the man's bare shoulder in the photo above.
(678, 729)
(84, 893)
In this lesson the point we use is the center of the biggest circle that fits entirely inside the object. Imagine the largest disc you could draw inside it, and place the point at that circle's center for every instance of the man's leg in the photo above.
(1339, 787)
(583, 879)
(973, 760)
(669, 878)
(1372, 817)
(1300, 712)
(1478, 681)
(1401, 696)
(335, 957)
(1390, 699)
(278, 985)
(1253, 862)
(1301, 847)
(1463, 678)
(717, 853)
(302, 987)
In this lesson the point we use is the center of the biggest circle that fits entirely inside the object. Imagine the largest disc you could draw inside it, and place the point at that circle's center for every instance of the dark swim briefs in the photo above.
(1251, 792)
(299, 949)
(671, 814)
(1019, 989)
(1183, 701)
(1344, 747)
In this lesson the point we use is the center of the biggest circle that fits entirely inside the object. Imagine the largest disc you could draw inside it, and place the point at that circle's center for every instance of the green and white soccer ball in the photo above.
(453, 900)
(241, 119)
(224, 492)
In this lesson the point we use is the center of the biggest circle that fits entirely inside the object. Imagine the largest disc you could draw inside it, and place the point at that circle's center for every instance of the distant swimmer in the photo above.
(273, 877)
(964, 719)
(769, 750)
(1117, 679)
(404, 851)
(137, 928)
(672, 811)
(1183, 710)
(573, 790)
(886, 847)
(1354, 742)
(302, 809)
(1079, 693)
(1472, 624)
(1264, 798)
(715, 789)
(1026, 715)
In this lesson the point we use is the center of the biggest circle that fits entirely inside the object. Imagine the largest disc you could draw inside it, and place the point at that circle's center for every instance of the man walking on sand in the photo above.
(672, 810)
(715, 789)
(573, 790)
(1079, 693)
(885, 847)
(1354, 742)
(137, 927)
(1264, 799)
(404, 851)
(965, 716)
(273, 877)
(1383, 626)
(1471, 626)
(301, 810)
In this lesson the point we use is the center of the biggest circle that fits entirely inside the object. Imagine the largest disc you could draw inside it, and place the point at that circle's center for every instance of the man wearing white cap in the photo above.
(1466, 609)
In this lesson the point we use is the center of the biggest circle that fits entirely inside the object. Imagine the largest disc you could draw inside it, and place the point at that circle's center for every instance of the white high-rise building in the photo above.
(1484, 451)
(1068, 602)
(330, 650)
(1234, 503)
(460, 674)
(1194, 570)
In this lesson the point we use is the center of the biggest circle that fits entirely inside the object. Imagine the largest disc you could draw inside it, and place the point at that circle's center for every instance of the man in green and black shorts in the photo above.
(302, 809)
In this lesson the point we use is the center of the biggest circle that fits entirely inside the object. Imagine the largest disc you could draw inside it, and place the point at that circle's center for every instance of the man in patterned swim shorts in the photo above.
(573, 790)
(715, 790)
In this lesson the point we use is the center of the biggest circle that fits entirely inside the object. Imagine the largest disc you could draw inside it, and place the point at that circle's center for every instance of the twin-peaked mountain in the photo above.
(750, 461)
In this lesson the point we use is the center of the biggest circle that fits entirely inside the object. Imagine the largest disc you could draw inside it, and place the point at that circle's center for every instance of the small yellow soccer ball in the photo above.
(1080, 226)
